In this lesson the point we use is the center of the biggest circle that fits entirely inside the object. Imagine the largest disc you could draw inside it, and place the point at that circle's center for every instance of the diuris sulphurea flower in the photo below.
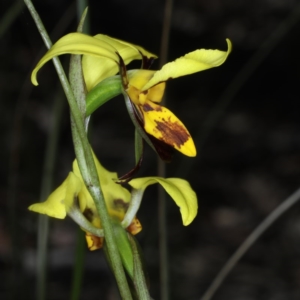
(145, 88)
(72, 198)
(104, 56)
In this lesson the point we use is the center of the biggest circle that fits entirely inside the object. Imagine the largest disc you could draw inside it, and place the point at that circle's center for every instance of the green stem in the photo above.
(161, 170)
(78, 267)
(134, 205)
(76, 215)
(78, 271)
(43, 223)
(138, 272)
(86, 164)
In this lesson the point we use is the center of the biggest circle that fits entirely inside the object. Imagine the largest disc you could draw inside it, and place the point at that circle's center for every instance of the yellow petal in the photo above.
(76, 43)
(96, 69)
(165, 126)
(137, 79)
(190, 63)
(61, 199)
(127, 50)
(179, 189)
(143, 51)
(116, 197)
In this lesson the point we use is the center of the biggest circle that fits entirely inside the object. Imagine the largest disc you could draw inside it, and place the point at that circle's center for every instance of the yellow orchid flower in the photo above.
(146, 88)
(103, 56)
(72, 198)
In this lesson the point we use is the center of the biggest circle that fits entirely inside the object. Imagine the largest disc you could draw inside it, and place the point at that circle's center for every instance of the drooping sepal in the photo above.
(179, 190)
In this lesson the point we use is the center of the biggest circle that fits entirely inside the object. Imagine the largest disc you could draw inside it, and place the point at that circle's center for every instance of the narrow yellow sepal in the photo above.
(196, 61)
(179, 190)
(165, 126)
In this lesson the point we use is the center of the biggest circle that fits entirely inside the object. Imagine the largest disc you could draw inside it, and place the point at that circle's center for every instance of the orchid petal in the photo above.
(96, 69)
(196, 61)
(165, 126)
(116, 197)
(179, 190)
(61, 199)
(77, 43)
(138, 79)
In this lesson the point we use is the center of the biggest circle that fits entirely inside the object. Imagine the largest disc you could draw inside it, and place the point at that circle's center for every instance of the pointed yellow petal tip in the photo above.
(188, 148)
(49, 210)
(33, 77)
(179, 190)
(192, 62)
(229, 46)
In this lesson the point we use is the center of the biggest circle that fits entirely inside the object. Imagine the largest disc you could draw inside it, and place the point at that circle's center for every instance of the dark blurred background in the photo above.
(244, 117)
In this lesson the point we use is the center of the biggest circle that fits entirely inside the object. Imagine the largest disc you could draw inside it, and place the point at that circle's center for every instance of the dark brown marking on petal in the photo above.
(121, 204)
(164, 150)
(88, 213)
(172, 133)
(147, 107)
